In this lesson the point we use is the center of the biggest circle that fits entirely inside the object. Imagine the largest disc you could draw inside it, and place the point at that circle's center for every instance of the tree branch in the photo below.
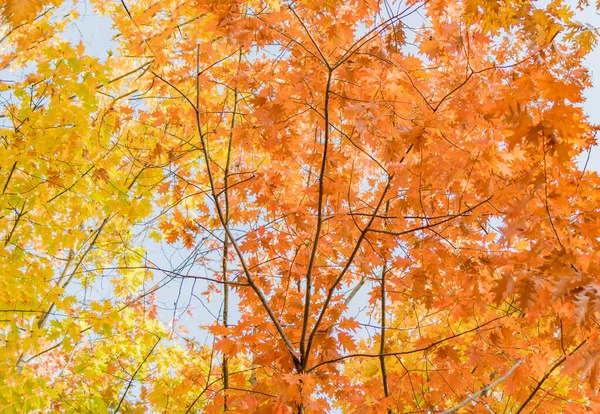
(313, 253)
(546, 376)
(344, 270)
(427, 226)
(412, 351)
(225, 225)
(133, 376)
(484, 391)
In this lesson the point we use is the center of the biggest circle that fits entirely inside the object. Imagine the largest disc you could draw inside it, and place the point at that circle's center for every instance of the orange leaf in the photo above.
(21, 11)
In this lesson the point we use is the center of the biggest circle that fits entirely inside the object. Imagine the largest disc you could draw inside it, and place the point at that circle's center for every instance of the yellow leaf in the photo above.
(521, 245)
(21, 11)
(274, 4)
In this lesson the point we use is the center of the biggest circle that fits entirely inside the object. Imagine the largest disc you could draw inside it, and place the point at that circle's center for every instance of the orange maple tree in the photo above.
(383, 198)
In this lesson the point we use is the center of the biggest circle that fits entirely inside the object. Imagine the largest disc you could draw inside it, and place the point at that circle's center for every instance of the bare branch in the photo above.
(226, 228)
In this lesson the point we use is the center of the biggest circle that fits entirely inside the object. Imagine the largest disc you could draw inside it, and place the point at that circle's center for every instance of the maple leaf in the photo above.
(346, 341)
(100, 173)
(503, 288)
(582, 303)
(164, 187)
(526, 293)
(21, 11)
(56, 180)
(561, 286)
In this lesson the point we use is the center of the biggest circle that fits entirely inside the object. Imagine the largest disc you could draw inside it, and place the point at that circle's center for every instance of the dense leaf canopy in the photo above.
(374, 206)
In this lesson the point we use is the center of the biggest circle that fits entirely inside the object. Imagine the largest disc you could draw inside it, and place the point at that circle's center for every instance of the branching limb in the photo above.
(333, 287)
(223, 221)
(384, 378)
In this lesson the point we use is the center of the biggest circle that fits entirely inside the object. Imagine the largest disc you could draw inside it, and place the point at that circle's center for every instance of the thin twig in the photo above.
(12, 170)
(384, 378)
(547, 375)
(484, 391)
(133, 376)
(412, 351)
(414, 229)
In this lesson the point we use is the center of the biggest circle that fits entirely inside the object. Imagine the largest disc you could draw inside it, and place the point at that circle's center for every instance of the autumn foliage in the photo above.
(372, 206)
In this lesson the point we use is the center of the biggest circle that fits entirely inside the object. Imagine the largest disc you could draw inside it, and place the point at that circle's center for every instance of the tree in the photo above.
(383, 198)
